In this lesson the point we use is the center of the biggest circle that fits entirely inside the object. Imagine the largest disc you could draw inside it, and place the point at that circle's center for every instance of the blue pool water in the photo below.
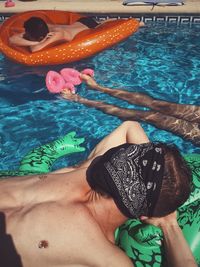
(161, 60)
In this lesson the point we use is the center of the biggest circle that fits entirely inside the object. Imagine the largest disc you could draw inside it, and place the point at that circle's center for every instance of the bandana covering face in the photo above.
(132, 175)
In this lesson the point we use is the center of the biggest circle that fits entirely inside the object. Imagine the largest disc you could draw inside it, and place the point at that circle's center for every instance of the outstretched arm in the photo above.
(177, 250)
(17, 39)
(51, 37)
(35, 46)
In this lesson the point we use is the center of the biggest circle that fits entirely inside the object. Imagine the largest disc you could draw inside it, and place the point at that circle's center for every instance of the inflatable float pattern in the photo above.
(143, 243)
(85, 44)
(67, 79)
(41, 159)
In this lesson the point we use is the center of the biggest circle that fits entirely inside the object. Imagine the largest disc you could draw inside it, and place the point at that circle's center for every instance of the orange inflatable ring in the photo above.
(85, 44)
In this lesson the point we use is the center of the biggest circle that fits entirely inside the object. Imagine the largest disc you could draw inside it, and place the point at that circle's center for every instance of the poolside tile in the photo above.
(103, 6)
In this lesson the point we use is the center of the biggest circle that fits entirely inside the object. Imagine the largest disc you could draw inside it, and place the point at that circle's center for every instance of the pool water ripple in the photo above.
(161, 60)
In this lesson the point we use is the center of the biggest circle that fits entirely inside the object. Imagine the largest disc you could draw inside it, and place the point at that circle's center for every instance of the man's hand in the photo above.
(177, 250)
(161, 222)
(90, 81)
(49, 35)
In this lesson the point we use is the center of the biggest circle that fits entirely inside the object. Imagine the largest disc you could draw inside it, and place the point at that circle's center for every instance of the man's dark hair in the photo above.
(176, 185)
(35, 29)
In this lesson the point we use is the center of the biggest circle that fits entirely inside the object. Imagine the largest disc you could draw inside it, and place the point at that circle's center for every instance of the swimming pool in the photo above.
(162, 60)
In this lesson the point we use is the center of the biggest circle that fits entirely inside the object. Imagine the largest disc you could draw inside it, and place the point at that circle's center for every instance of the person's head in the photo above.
(150, 179)
(36, 29)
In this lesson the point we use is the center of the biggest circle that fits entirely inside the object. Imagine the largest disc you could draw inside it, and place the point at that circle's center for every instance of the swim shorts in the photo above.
(89, 22)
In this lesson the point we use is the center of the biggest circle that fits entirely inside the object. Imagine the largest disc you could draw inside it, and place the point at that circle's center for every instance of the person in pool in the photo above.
(68, 217)
(180, 119)
(38, 34)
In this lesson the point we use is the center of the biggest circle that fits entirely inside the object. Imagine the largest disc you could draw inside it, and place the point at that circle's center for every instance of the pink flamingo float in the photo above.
(65, 80)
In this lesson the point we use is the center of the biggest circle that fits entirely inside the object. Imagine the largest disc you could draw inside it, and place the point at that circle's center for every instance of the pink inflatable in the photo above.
(9, 3)
(54, 82)
(70, 87)
(67, 79)
(71, 75)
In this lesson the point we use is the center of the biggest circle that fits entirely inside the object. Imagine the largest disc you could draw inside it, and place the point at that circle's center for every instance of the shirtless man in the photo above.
(38, 34)
(57, 219)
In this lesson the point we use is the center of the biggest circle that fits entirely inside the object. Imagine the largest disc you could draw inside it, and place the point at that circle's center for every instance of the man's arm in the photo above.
(17, 39)
(103, 251)
(117, 258)
(51, 38)
(177, 250)
(127, 132)
(35, 46)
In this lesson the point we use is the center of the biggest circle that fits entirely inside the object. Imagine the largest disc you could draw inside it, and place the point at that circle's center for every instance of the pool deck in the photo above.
(100, 7)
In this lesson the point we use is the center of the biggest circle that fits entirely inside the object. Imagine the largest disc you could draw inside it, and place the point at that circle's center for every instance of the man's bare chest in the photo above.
(46, 231)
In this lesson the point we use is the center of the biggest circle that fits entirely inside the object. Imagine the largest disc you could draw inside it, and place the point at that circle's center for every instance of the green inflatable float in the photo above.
(41, 159)
(143, 243)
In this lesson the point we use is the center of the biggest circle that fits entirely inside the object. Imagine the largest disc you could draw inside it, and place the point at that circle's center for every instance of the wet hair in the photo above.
(176, 185)
(35, 29)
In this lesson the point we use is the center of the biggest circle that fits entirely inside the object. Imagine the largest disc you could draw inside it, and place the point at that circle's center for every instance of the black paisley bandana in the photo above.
(132, 175)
